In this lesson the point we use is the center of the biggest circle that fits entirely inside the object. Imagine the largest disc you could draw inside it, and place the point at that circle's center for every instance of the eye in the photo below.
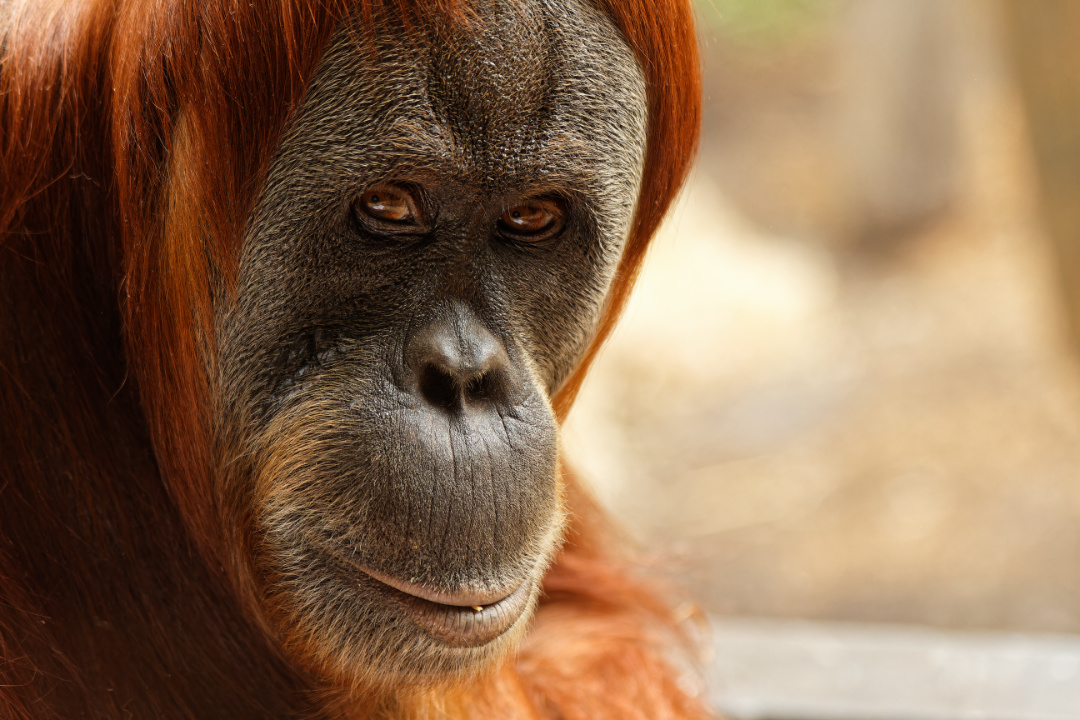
(391, 207)
(533, 220)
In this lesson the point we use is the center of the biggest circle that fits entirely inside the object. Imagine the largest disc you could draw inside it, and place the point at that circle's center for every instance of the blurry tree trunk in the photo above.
(896, 112)
(1045, 44)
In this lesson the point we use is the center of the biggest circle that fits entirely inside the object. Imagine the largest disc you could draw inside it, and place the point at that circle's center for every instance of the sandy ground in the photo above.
(799, 430)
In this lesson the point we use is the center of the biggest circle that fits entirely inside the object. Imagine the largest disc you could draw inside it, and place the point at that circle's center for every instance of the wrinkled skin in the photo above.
(389, 452)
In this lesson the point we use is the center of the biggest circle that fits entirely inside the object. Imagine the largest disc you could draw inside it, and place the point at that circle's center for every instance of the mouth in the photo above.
(466, 618)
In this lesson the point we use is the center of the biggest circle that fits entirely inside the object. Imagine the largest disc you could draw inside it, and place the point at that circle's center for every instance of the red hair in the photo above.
(134, 144)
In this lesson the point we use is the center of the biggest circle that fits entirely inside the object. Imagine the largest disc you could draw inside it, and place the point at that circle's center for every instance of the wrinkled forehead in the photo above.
(509, 91)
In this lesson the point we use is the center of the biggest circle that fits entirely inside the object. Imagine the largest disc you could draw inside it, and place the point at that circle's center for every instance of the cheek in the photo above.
(558, 309)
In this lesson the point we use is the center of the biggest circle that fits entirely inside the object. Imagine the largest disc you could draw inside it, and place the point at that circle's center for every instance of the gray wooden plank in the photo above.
(796, 670)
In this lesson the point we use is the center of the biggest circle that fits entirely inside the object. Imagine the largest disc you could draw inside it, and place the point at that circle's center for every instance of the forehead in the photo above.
(518, 92)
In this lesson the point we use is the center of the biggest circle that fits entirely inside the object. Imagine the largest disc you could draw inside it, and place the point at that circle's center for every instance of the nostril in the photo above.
(440, 388)
(443, 389)
(482, 387)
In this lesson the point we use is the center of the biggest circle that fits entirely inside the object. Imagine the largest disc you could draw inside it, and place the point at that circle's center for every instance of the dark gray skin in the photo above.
(389, 452)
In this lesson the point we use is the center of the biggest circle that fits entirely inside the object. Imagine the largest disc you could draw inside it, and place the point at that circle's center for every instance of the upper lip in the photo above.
(466, 597)
(465, 617)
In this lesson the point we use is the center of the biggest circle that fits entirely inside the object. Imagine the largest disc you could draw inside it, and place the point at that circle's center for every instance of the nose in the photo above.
(457, 363)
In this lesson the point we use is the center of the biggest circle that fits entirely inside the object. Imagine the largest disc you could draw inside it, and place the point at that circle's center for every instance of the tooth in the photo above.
(477, 608)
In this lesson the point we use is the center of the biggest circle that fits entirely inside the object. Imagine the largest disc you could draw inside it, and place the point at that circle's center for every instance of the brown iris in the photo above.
(534, 220)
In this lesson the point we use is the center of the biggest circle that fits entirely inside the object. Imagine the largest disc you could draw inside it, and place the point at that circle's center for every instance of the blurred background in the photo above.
(845, 397)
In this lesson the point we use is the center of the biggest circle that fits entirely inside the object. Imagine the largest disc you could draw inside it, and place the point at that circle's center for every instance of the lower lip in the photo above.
(463, 625)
